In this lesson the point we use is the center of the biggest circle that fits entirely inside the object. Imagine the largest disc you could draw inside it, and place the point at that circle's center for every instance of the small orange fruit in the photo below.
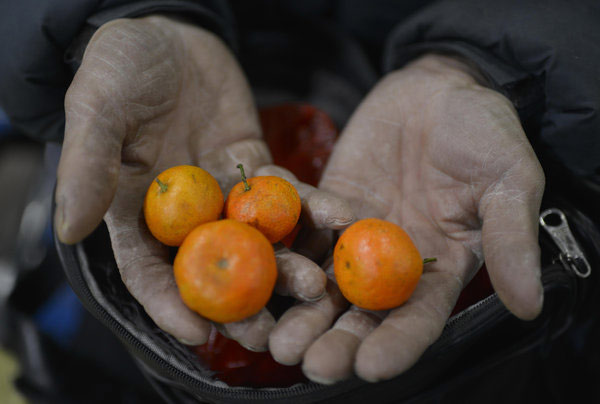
(225, 270)
(179, 199)
(269, 203)
(376, 264)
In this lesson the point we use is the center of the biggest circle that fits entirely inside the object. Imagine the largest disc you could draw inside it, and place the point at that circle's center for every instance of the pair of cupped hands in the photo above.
(429, 149)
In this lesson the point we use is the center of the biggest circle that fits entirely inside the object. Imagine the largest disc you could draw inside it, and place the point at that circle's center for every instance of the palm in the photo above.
(433, 167)
(182, 107)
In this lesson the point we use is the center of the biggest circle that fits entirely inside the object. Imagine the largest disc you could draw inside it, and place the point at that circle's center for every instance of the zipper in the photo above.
(178, 378)
(568, 263)
(554, 222)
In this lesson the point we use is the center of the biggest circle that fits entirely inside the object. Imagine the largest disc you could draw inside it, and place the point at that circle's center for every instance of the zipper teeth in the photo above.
(482, 310)
(491, 300)
(467, 315)
(203, 388)
(130, 340)
(491, 306)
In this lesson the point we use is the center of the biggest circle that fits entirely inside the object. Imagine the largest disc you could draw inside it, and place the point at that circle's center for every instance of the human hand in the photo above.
(446, 159)
(152, 93)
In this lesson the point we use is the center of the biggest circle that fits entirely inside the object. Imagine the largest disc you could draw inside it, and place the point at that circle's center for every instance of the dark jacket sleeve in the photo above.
(544, 55)
(41, 42)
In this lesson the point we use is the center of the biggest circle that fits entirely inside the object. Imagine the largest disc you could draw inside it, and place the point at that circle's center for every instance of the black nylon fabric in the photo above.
(523, 49)
(541, 54)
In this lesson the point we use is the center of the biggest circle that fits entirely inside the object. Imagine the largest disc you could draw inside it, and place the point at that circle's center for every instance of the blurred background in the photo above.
(46, 336)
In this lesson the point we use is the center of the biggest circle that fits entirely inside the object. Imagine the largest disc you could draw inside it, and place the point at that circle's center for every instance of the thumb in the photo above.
(88, 171)
(89, 164)
(510, 241)
(113, 91)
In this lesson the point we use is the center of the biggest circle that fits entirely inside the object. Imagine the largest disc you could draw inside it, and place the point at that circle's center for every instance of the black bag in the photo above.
(475, 341)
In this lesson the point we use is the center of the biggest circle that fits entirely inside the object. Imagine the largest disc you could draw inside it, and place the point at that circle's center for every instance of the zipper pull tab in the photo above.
(555, 223)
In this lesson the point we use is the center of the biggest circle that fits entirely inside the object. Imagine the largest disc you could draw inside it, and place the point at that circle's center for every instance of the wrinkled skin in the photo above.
(429, 149)
(446, 158)
(152, 93)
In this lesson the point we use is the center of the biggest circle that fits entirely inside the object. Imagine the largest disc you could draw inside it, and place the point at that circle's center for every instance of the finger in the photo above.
(252, 333)
(320, 209)
(89, 165)
(510, 242)
(298, 276)
(331, 358)
(145, 270)
(302, 324)
(408, 330)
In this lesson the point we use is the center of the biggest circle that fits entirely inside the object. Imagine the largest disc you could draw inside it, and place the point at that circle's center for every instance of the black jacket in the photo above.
(542, 54)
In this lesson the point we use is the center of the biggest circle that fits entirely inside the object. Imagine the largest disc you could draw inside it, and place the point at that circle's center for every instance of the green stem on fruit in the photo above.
(162, 185)
(428, 260)
(246, 186)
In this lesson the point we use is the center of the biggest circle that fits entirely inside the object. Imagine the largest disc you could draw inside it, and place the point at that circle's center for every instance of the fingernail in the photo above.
(340, 222)
(60, 223)
(253, 348)
(186, 342)
(310, 288)
(311, 299)
(318, 379)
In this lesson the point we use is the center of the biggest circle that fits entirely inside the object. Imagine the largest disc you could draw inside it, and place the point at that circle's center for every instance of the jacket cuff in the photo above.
(522, 49)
